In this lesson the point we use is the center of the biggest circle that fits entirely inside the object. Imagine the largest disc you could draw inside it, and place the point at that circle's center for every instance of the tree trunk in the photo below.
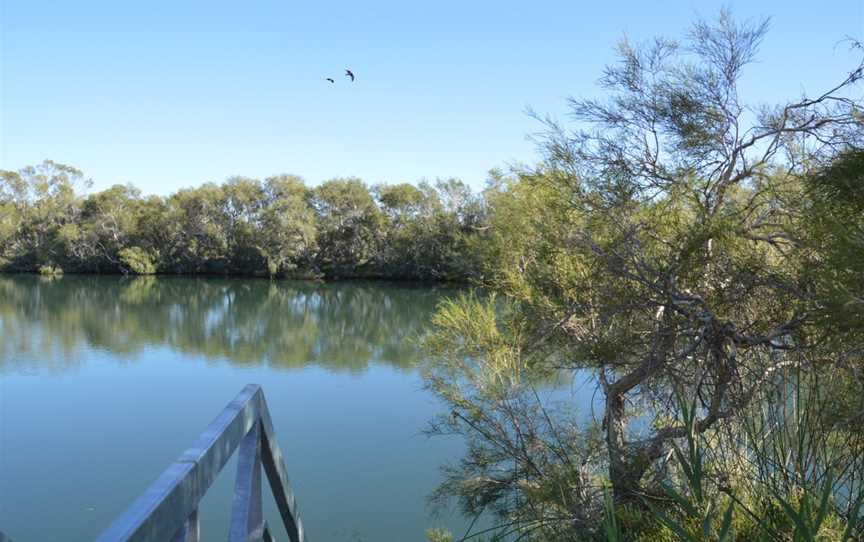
(625, 482)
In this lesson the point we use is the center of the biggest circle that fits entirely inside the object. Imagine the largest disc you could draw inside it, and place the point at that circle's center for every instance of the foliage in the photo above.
(520, 466)
(438, 535)
(787, 495)
(137, 260)
(50, 270)
(671, 243)
(835, 231)
(279, 227)
(350, 223)
(287, 234)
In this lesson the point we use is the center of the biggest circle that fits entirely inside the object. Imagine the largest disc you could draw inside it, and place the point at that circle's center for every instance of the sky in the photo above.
(172, 94)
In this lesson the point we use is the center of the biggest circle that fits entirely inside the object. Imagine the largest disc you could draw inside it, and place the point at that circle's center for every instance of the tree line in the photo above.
(276, 227)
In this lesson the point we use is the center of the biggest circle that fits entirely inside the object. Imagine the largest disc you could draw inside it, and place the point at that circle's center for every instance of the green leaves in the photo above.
(853, 521)
(278, 228)
(699, 520)
(138, 261)
(809, 512)
(611, 527)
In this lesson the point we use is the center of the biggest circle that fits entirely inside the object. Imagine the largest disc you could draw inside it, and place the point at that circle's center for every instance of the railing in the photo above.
(168, 509)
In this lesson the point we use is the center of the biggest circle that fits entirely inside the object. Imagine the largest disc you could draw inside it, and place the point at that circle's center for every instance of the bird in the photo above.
(329, 79)
(349, 73)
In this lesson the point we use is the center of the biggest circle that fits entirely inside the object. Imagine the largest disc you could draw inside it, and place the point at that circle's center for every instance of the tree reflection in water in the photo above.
(286, 324)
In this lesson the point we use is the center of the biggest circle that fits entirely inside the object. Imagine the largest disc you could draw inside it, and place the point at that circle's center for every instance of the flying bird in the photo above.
(349, 73)
(329, 79)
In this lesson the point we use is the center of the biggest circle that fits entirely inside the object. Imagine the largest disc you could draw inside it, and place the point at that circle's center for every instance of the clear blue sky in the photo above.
(168, 94)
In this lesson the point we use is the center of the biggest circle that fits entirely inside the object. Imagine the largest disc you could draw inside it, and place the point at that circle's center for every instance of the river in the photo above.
(104, 381)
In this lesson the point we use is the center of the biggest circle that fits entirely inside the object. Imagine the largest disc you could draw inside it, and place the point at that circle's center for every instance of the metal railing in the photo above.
(168, 509)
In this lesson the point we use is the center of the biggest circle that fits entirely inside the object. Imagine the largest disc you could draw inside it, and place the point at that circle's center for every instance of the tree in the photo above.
(108, 221)
(426, 229)
(197, 222)
(657, 247)
(44, 200)
(692, 230)
(242, 226)
(459, 202)
(11, 210)
(400, 203)
(349, 224)
(409, 213)
(834, 230)
(288, 231)
(242, 205)
(156, 235)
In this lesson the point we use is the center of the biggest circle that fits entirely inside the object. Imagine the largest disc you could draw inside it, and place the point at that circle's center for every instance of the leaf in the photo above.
(706, 522)
(854, 520)
(726, 534)
(682, 501)
(673, 526)
(795, 516)
(823, 503)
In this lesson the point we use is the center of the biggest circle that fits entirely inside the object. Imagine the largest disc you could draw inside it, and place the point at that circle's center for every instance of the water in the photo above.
(104, 381)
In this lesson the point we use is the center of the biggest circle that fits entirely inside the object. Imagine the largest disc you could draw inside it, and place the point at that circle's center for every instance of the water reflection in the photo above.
(341, 326)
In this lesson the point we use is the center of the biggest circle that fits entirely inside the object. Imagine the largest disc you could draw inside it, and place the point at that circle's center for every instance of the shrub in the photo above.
(50, 270)
(138, 261)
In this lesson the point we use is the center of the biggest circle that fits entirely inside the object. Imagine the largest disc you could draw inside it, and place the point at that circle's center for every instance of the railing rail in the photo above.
(168, 509)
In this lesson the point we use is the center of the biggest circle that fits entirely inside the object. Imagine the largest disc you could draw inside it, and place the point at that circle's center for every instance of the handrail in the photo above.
(168, 509)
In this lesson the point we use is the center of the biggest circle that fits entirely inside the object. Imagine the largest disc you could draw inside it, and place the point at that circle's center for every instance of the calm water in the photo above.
(104, 381)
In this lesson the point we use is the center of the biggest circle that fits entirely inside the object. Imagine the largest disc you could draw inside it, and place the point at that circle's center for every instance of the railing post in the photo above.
(274, 467)
(247, 518)
(190, 531)
(168, 509)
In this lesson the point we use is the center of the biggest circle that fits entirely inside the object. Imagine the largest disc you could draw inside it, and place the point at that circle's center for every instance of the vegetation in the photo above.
(698, 258)
(701, 260)
(278, 227)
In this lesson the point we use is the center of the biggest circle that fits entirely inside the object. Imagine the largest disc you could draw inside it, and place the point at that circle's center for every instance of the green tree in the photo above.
(242, 226)
(242, 205)
(288, 231)
(108, 221)
(349, 225)
(427, 229)
(198, 230)
(408, 212)
(156, 235)
(11, 211)
(45, 202)
(834, 222)
(652, 248)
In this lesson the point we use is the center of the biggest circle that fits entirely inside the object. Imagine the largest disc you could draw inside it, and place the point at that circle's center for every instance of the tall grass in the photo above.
(793, 474)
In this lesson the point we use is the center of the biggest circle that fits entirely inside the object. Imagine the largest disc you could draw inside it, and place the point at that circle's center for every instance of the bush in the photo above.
(50, 270)
(138, 261)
